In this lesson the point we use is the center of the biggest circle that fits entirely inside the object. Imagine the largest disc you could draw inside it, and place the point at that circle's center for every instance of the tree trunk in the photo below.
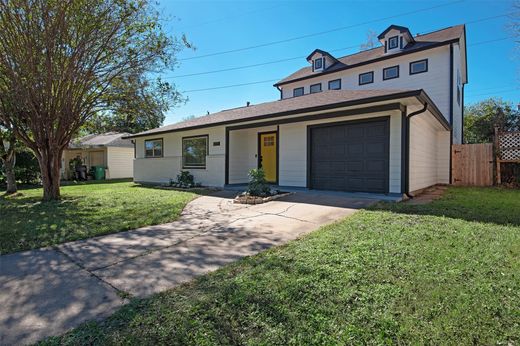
(50, 164)
(9, 174)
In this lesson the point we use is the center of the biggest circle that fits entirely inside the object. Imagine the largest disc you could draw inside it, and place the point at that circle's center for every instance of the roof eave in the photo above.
(356, 102)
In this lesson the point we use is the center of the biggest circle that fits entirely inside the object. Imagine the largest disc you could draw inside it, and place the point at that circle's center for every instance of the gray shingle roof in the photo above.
(431, 39)
(109, 139)
(323, 100)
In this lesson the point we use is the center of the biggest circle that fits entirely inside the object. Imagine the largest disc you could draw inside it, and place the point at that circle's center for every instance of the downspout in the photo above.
(407, 161)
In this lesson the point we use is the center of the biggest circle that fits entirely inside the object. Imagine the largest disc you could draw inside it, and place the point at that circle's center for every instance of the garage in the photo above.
(350, 156)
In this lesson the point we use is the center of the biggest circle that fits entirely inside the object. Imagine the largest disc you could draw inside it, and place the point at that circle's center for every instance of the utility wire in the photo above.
(333, 50)
(274, 80)
(322, 32)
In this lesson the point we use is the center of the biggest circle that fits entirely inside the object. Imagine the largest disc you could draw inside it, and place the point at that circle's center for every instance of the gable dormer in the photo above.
(321, 60)
(395, 38)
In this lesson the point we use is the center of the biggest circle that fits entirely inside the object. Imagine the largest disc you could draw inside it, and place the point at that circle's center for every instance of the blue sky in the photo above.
(217, 26)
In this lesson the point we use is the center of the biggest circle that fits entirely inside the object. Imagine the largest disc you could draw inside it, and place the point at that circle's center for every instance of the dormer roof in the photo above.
(401, 29)
(323, 53)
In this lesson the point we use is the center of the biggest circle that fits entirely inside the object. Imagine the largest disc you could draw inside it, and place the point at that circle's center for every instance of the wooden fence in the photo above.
(472, 164)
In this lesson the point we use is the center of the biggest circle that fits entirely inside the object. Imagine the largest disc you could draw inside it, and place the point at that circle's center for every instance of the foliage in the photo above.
(185, 180)
(137, 104)
(26, 169)
(63, 61)
(258, 185)
(8, 146)
(86, 210)
(443, 273)
(480, 120)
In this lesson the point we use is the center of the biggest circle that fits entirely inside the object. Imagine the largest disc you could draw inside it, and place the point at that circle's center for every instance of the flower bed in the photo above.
(248, 199)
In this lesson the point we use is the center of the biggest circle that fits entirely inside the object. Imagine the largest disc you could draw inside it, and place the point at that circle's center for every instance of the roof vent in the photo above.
(248, 103)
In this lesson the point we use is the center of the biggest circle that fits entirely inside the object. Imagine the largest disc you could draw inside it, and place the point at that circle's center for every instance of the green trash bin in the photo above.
(99, 172)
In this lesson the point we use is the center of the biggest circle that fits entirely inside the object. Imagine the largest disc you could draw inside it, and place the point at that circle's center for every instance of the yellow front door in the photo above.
(268, 155)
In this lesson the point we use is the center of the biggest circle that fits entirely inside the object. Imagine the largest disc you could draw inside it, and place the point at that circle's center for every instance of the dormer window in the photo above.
(393, 42)
(318, 64)
(320, 60)
(395, 38)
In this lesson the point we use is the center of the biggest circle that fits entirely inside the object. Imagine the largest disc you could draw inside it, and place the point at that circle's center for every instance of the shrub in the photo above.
(184, 180)
(258, 186)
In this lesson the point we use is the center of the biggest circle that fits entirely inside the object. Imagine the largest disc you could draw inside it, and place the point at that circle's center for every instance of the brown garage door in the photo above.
(352, 156)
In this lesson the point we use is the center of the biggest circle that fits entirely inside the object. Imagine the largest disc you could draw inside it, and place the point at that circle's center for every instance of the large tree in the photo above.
(61, 61)
(138, 104)
(481, 118)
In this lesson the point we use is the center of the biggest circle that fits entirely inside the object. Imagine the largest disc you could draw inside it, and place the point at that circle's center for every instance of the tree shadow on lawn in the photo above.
(28, 223)
(489, 205)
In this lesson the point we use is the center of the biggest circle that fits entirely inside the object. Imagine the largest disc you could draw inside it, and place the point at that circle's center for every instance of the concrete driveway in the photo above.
(48, 291)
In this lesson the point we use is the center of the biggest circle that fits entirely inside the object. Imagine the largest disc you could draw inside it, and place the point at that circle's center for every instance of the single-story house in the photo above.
(109, 150)
(381, 141)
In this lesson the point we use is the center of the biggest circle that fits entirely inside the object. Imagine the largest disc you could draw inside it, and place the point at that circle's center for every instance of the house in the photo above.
(381, 121)
(109, 150)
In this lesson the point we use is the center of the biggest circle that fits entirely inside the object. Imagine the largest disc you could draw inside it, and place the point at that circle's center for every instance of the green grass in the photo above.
(86, 210)
(444, 273)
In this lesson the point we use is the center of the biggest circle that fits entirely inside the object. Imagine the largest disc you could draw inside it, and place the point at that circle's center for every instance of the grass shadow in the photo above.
(490, 205)
(84, 211)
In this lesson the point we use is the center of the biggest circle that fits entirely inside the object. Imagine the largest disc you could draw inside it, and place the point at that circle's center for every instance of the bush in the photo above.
(26, 169)
(258, 186)
(185, 180)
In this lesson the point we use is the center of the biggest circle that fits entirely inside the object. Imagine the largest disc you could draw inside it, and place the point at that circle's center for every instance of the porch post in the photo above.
(226, 180)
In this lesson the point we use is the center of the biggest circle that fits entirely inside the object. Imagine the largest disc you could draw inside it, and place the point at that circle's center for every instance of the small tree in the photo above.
(61, 61)
(258, 185)
(8, 157)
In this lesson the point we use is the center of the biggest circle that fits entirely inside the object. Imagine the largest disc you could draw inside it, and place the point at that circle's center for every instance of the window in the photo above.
(335, 84)
(419, 66)
(268, 141)
(393, 42)
(194, 151)
(366, 78)
(153, 148)
(315, 88)
(391, 72)
(318, 64)
(297, 92)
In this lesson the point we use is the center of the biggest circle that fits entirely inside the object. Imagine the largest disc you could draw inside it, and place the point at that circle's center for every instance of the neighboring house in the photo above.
(381, 120)
(109, 150)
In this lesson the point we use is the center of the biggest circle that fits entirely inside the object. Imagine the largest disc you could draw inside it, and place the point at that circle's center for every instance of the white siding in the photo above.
(293, 150)
(435, 82)
(161, 170)
(120, 162)
(243, 153)
(429, 152)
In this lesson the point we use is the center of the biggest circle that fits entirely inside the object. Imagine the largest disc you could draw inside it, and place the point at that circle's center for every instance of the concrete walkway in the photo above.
(48, 291)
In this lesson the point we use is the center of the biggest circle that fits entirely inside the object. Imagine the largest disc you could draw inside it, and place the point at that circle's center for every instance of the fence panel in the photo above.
(472, 164)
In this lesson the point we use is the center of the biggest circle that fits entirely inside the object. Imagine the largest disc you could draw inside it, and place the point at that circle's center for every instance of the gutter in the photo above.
(407, 159)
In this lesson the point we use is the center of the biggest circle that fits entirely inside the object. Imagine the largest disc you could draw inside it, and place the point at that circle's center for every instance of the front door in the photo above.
(267, 155)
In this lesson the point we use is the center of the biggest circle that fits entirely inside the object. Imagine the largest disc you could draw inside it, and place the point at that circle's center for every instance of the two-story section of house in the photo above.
(379, 121)
(434, 62)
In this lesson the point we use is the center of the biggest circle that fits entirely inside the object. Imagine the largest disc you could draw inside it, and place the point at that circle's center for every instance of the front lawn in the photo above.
(86, 210)
(444, 273)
